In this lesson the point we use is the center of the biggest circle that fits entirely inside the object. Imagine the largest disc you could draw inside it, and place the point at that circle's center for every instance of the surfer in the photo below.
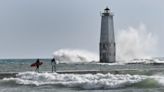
(53, 63)
(37, 64)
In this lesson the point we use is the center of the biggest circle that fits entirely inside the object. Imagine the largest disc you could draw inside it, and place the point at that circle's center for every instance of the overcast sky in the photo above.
(37, 28)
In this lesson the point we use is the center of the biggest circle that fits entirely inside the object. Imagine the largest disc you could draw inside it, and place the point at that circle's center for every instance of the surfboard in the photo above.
(34, 64)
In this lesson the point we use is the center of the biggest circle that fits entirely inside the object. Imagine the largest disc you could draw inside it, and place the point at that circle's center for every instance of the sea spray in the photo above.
(135, 43)
(73, 55)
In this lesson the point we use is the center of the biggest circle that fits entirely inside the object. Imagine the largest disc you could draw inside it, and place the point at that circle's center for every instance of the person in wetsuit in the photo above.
(37, 65)
(53, 63)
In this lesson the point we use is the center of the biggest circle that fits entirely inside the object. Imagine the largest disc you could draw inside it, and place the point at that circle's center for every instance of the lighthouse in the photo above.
(107, 45)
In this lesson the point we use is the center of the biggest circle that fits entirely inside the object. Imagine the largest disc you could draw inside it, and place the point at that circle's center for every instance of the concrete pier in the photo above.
(117, 71)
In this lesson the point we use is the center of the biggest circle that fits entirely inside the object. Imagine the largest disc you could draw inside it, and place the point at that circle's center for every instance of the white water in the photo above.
(135, 43)
(72, 55)
(84, 81)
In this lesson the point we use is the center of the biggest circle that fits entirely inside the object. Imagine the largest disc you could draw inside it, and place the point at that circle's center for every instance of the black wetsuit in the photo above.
(37, 65)
(53, 63)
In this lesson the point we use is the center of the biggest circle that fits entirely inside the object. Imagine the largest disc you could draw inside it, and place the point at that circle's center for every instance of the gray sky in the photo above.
(36, 28)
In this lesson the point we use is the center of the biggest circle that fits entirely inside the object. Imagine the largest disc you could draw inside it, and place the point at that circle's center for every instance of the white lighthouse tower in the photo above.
(107, 39)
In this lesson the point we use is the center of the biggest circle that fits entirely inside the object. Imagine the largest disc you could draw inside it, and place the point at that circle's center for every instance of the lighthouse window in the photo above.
(104, 46)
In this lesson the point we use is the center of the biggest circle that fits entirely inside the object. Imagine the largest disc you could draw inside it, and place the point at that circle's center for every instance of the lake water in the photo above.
(145, 78)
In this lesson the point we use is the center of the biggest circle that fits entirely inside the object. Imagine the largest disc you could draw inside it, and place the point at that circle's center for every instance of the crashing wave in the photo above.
(76, 56)
(85, 81)
(68, 55)
(136, 43)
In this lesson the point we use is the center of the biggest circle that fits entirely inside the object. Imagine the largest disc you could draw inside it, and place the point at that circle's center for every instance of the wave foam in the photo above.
(83, 81)
(68, 55)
